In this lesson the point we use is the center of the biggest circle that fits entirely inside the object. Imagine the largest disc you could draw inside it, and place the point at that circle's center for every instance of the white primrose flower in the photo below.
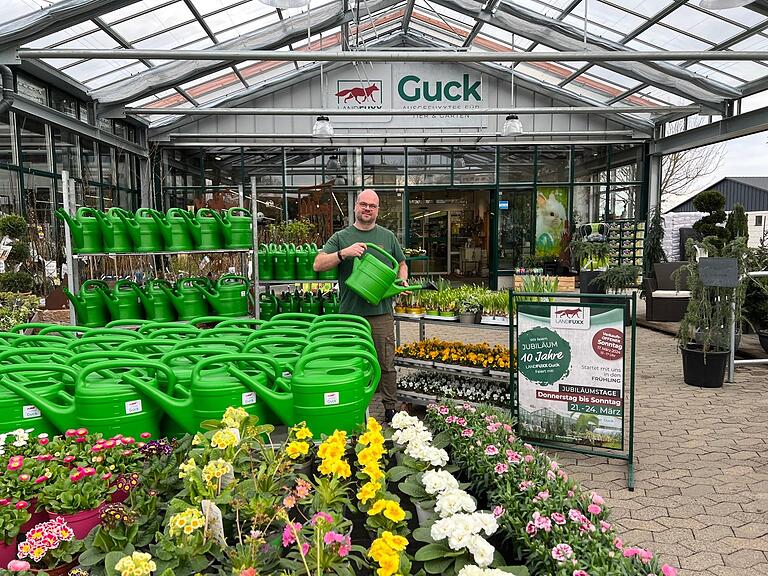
(472, 570)
(403, 420)
(454, 501)
(437, 481)
(481, 550)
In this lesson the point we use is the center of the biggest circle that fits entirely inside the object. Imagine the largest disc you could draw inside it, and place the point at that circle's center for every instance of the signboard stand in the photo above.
(569, 387)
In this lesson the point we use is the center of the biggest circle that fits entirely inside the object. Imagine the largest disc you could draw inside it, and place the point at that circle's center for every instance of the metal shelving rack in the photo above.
(72, 259)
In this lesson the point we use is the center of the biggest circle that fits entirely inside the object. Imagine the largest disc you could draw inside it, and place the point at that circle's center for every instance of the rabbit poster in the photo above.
(551, 221)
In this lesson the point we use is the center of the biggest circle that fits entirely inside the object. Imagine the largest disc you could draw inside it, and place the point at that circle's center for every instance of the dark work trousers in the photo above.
(383, 331)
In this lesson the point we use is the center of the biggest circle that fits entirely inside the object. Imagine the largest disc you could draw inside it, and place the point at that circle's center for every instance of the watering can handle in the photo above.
(312, 346)
(239, 356)
(35, 367)
(110, 364)
(232, 211)
(307, 358)
(385, 253)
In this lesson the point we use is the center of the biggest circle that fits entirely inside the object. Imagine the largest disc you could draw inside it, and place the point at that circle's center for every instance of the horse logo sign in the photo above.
(359, 95)
(573, 317)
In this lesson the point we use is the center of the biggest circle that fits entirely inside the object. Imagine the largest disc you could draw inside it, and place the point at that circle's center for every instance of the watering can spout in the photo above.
(77, 302)
(132, 227)
(62, 417)
(281, 403)
(175, 298)
(75, 227)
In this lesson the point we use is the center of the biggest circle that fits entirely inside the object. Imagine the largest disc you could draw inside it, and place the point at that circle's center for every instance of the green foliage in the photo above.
(654, 238)
(16, 309)
(11, 519)
(14, 226)
(708, 226)
(20, 282)
(737, 225)
(616, 278)
(19, 253)
(591, 255)
(65, 496)
(293, 232)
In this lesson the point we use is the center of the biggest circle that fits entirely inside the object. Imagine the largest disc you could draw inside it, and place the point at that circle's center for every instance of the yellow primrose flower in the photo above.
(226, 438)
(373, 472)
(373, 425)
(394, 512)
(233, 417)
(137, 564)
(377, 508)
(296, 449)
(185, 468)
(397, 543)
(303, 433)
(214, 470)
(368, 491)
(186, 522)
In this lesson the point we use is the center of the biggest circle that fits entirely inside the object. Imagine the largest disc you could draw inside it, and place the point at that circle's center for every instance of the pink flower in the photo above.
(507, 428)
(18, 565)
(530, 529)
(501, 468)
(89, 471)
(24, 477)
(127, 452)
(332, 538)
(346, 547)
(666, 569)
(76, 476)
(570, 492)
(41, 479)
(494, 427)
(597, 499)
(248, 572)
(558, 518)
(71, 432)
(127, 440)
(43, 441)
(4, 501)
(322, 516)
(604, 526)
(511, 438)
(450, 419)
(305, 549)
(467, 432)
(562, 552)
(44, 457)
(553, 465)
(288, 536)
(145, 435)
(542, 522)
(528, 458)
(646, 556)
(80, 439)
(22, 504)
(443, 410)
(575, 515)
(594, 509)
(106, 476)
(289, 501)
(67, 459)
(109, 444)
(491, 450)
(632, 551)
(618, 542)
(551, 475)
(543, 495)
(586, 526)
(524, 485)
(15, 462)
(528, 447)
(513, 457)
(82, 432)
(461, 421)
(498, 512)
(580, 573)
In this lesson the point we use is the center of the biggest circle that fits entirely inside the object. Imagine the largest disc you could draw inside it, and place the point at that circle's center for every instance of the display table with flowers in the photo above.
(426, 386)
(475, 359)
(457, 495)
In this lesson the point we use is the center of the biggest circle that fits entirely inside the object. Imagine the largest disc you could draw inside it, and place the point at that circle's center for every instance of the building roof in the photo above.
(479, 25)
(749, 191)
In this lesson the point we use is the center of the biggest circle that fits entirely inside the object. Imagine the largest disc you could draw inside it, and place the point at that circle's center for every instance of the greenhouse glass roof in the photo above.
(490, 26)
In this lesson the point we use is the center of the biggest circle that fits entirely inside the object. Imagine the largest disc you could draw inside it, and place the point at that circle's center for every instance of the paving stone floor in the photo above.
(701, 496)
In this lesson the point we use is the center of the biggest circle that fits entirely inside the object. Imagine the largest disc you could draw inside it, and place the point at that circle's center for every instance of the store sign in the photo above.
(570, 379)
(432, 90)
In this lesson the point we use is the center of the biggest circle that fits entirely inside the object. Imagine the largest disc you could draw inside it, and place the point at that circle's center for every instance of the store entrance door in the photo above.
(452, 226)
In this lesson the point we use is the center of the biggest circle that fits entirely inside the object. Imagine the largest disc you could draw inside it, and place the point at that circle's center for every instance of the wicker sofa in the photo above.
(663, 302)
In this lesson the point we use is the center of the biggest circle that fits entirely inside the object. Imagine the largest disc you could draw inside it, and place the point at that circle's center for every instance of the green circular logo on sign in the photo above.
(543, 356)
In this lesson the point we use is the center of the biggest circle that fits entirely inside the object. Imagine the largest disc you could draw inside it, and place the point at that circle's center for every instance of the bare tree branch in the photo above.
(682, 171)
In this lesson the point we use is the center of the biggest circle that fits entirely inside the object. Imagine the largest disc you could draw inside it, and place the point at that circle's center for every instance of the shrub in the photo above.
(19, 253)
(713, 202)
(16, 282)
(13, 226)
(737, 224)
(16, 309)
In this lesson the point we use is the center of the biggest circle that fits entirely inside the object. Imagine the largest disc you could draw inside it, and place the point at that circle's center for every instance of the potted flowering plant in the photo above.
(51, 546)
(13, 515)
(76, 495)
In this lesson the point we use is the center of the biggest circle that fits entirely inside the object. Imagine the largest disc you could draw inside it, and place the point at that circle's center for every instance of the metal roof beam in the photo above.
(489, 8)
(409, 6)
(570, 40)
(713, 133)
(54, 18)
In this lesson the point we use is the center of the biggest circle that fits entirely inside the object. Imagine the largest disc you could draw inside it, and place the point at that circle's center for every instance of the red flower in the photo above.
(44, 457)
(146, 435)
(127, 440)
(81, 439)
(41, 479)
(76, 476)
(109, 444)
(71, 432)
(21, 504)
(89, 471)
(24, 477)
(96, 448)
(43, 441)
(15, 462)
(68, 459)
(4, 501)
(106, 476)
(82, 432)
(127, 452)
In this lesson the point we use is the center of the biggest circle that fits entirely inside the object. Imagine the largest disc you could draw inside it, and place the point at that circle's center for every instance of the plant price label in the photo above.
(249, 398)
(331, 398)
(133, 407)
(30, 411)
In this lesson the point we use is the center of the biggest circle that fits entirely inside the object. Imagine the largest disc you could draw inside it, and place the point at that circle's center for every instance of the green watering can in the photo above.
(65, 331)
(353, 318)
(331, 303)
(217, 383)
(145, 229)
(126, 323)
(149, 348)
(123, 300)
(229, 297)
(187, 299)
(285, 350)
(237, 225)
(310, 304)
(240, 334)
(338, 330)
(157, 304)
(284, 257)
(178, 332)
(302, 319)
(90, 307)
(185, 355)
(326, 397)
(288, 302)
(36, 340)
(175, 228)
(206, 230)
(374, 281)
(251, 323)
(305, 260)
(267, 305)
(85, 229)
(106, 399)
(117, 236)
(103, 339)
(36, 357)
(21, 410)
(266, 263)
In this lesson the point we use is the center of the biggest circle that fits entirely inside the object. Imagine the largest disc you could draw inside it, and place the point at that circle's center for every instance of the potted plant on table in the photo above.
(469, 307)
(13, 515)
(50, 547)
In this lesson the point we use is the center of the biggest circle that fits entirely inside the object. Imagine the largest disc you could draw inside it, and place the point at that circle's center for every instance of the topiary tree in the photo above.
(710, 226)
(737, 224)
(14, 226)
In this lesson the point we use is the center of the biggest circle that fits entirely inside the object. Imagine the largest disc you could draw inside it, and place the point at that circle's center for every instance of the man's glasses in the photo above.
(365, 205)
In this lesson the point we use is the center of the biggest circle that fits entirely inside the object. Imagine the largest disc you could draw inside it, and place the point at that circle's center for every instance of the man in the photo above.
(341, 250)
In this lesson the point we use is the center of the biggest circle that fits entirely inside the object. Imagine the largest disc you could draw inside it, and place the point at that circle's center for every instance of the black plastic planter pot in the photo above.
(704, 370)
(763, 336)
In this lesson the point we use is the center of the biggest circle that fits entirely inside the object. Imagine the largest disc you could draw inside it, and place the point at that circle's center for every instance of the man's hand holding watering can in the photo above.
(354, 251)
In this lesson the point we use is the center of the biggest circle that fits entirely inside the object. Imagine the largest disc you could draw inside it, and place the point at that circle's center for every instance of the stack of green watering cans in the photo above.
(291, 263)
(166, 378)
(118, 231)
(96, 304)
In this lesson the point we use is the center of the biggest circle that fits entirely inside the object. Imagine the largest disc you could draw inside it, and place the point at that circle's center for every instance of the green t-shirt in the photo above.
(351, 303)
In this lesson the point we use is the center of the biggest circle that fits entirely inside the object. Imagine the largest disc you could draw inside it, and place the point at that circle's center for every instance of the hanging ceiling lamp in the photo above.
(322, 128)
(512, 126)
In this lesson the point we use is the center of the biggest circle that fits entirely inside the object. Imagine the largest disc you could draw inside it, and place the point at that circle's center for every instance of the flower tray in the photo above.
(407, 315)
(415, 363)
(444, 318)
(499, 373)
(495, 320)
(461, 369)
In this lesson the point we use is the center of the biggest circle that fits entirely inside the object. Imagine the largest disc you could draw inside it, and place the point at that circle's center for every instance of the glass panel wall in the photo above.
(6, 140)
(34, 144)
